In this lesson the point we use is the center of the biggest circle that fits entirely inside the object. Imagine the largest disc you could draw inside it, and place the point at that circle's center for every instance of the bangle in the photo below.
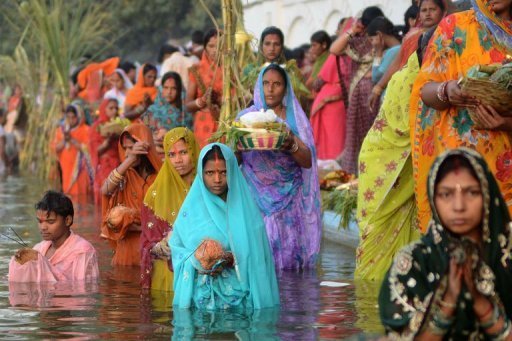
(491, 321)
(504, 332)
(441, 93)
(440, 323)
(447, 305)
(294, 148)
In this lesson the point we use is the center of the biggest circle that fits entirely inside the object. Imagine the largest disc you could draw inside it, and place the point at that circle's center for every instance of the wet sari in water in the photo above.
(129, 193)
(236, 224)
(287, 195)
(462, 40)
(161, 206)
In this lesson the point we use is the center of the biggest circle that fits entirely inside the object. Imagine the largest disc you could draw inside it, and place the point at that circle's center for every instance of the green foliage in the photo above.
(343, 203)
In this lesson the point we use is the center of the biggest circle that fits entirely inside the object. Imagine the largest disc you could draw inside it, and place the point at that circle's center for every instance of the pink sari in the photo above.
(328, 110)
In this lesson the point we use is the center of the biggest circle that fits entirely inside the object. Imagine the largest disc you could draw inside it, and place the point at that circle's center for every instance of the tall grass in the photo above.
(56, 34)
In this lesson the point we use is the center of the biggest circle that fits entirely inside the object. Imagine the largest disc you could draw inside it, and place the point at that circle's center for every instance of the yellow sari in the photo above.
(461, 41)
(161, 206)
(385, 203)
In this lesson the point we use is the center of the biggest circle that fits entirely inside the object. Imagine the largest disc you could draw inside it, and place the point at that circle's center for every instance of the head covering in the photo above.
(298, 123)
(167, 115)
(127, 82)
(237, 224)
(95, 139)
(418, 278)
(500, 29)
(135, 95)
(168, 192)
(90, 78)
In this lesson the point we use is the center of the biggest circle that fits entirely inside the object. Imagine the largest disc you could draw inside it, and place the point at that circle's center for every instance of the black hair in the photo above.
(342, 21)
(74, 75)
(213, 154)
(411, 13)
(197, 37)
(454, 163)
(272, 30)
(212, 32)
(384, 26)
(287, 53)
(369, 14)
(439, 3)
(166, 49)
(279, 69)
(57, 202)
(321, 37)
(71, 108)
(148, 67)
(179, 85)
(126, 66)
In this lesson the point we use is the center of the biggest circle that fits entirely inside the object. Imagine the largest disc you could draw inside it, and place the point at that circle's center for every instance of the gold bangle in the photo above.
(294, 148)
(447, 305)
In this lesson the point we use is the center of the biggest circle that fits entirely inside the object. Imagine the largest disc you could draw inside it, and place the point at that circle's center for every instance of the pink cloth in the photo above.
(328, 123)
(74, 260)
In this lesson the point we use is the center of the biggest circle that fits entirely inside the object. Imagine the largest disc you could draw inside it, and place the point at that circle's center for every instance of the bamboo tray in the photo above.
(488, 92)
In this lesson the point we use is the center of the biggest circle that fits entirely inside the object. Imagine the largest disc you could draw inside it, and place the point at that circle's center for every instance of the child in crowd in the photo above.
(62, 255)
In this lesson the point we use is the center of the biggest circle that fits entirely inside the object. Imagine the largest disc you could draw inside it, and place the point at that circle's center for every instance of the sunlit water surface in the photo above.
(115, 308)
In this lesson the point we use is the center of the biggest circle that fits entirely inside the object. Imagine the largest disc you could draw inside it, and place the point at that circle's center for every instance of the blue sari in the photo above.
(237, 224)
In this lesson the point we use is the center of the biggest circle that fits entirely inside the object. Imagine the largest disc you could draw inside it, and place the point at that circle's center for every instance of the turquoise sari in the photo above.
(238, 225)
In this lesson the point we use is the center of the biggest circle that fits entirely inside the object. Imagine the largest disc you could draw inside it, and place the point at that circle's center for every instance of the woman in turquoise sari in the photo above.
(220, 207)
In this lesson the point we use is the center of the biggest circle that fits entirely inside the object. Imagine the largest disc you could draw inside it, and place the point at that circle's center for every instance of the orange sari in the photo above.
(90, 79)
(129, 196)
(459, 43)
(206, 74)
(75, 163)
(135, 95)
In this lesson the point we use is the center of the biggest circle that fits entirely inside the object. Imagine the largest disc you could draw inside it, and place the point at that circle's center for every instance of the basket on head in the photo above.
(261, 139)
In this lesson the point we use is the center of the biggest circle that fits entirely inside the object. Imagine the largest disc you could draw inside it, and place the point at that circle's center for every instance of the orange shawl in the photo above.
(135, 95)
(90, 79)
(130, 195)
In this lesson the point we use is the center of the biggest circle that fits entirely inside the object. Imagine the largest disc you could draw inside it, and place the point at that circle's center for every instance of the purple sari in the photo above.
(287, 195)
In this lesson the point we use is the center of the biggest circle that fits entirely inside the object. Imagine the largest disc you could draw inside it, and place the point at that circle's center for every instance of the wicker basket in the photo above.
(261, 139)
(108, 128)
(488, 92)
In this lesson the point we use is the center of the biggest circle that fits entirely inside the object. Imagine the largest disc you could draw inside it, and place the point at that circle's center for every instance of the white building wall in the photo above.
(299, 19)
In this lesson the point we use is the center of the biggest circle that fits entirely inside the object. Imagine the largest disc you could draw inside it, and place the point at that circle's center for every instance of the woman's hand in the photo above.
(459, 98)
(486, 117)
(454, 282)
(288, 142)
(25, 254)
(139, 148)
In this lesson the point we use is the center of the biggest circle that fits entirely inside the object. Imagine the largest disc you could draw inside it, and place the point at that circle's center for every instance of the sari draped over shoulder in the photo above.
(385, 205)
(359, 115)
(103, 164)
(74, 260)
(328, 120)
(127, 199)
(161, 206)
(237, 225)
(163, 115)
(91, 78)
(417, 280)
(287, 195)
(135, 95)
(461, 40)
(206, 74)
(75, 162)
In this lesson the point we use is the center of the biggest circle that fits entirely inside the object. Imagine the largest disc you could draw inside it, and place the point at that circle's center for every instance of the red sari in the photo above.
(129, 196)
(103, 164)
(328, 118)
(206, 74)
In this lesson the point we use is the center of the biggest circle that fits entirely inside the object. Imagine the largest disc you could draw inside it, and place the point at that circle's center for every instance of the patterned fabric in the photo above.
(500, 29)
(237, 225)
(459, 43)
(359, 115)
(163, 115)
(161, 206)
(385, 205)
(287, 195)
(418, 277)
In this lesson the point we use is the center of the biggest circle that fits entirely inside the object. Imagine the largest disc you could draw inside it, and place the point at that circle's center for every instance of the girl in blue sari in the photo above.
(220, 207)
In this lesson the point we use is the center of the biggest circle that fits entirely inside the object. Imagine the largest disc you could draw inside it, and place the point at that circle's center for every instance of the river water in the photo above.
(311, 307)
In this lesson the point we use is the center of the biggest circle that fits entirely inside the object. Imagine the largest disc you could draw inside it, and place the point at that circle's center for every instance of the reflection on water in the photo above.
(116, 308)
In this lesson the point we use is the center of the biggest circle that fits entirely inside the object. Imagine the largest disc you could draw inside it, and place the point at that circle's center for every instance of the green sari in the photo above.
(385, 203)
(418, 278)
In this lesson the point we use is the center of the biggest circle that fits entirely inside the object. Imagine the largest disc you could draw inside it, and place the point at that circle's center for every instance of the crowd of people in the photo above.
(217, 226)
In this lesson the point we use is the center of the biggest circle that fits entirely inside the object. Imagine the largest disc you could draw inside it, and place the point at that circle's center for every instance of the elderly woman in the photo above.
(284, 182)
